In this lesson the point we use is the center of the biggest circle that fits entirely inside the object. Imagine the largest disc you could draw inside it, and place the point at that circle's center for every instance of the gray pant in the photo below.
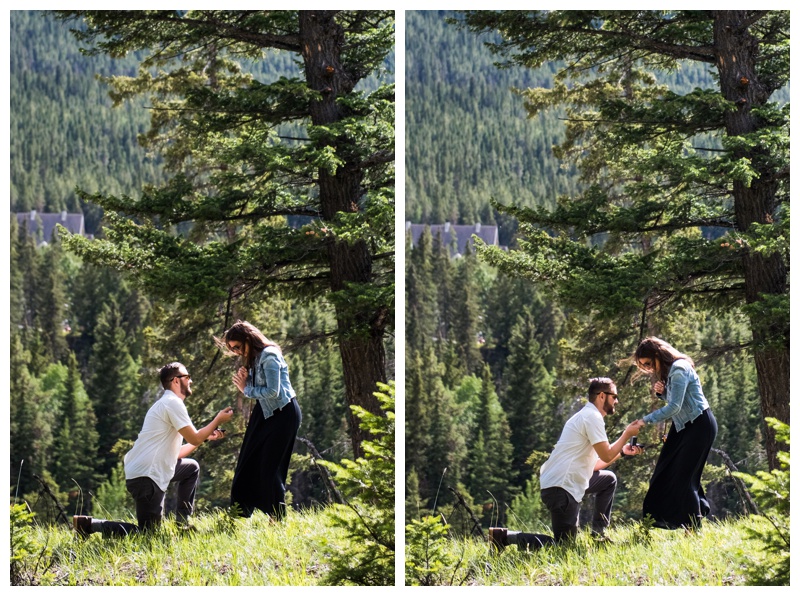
(564, 509)
(149, 499)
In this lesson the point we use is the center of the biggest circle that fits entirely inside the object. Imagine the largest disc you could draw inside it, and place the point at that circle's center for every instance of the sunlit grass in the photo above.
(713, 556)
(220, 551)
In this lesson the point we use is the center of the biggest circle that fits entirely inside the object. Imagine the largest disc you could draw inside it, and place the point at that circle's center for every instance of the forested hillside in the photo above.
(495, 364)
(63, 132)
(468, 139)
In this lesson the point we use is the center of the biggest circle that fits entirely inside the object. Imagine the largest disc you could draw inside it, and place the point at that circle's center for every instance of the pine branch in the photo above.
(330, 485)
(476, 524)
(46, 490)
(747, 499)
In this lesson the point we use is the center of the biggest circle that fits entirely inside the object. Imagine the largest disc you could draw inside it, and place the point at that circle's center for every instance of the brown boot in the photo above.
(82, 524)
(498, 539)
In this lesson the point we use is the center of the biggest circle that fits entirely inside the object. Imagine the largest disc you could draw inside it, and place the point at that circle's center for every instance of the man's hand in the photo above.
(223, 416)
(216, 435)
(632, 450)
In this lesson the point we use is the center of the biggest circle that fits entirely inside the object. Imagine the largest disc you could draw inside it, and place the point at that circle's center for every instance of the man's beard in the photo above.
(609, 408)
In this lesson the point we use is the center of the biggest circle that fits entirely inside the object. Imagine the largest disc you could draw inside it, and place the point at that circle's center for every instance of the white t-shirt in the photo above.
(571, 464)
(155, 452)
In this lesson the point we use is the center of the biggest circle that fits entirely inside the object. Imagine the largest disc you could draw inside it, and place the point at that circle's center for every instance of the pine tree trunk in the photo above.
(736, 56)
(361, 333)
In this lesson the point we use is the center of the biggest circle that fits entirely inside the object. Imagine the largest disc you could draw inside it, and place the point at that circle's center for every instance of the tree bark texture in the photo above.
(362, 352)
(736, 53)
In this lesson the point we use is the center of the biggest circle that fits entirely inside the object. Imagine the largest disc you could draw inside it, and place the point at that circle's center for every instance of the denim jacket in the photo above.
(684, 395)
(269, 382)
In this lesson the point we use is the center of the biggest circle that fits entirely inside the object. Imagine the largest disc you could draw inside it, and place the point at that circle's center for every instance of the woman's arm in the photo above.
(678, 382)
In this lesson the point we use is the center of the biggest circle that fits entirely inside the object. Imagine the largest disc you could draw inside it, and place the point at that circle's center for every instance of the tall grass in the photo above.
(716, 555)
(220, 551)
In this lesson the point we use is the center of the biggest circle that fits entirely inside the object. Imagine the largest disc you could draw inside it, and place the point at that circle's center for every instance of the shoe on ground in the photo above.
(498, 539)
(185, 527)
(82, 524)
(601, 538)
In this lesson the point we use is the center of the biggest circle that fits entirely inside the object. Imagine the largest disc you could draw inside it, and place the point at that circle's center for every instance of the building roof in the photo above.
(42, 225)
(455, 237)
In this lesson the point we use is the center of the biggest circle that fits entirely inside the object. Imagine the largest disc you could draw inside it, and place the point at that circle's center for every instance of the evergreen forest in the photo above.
(63, 132)
(209, 171)
(501, 344)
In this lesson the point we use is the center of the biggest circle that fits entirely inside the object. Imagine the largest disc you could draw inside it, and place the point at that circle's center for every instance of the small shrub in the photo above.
(29, 557)
(368, 517)
(641, 532)
(428, 562)
(45, 500)
(771, 492)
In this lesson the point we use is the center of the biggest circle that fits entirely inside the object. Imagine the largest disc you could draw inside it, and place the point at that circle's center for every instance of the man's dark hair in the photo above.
(168, 372)
(599, 385)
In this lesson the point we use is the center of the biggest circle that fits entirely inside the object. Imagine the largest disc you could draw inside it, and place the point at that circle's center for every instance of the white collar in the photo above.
(588, 403)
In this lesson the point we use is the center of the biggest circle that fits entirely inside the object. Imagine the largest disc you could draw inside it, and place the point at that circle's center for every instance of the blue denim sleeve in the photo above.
(271, 371)
(678, 382)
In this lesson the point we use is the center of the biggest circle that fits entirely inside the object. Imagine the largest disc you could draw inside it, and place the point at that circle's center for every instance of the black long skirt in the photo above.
(675, 497)
(259, 481)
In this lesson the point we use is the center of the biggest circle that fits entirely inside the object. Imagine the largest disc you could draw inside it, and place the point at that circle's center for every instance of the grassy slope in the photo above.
(712, 557)
(220, 552)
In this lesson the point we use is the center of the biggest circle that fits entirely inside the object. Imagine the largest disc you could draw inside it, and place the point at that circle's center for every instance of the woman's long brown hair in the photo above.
(246, 333)
(656, 348)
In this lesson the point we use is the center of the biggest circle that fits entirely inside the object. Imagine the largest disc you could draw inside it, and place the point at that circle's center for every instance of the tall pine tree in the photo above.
(528, 399)
(114, 386)
(490, 454)
(30, 435)
(417, 416)
(75, 447)
(16, 296)
(51, 301)
(421, 293)
(465, 314)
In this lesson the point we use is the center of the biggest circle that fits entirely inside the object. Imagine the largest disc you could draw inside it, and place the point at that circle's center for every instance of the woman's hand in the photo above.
(658, 387)
(240, 378)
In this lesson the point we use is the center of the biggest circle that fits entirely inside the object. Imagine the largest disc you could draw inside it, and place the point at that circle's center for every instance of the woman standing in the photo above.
(675, 498)
(259, 481)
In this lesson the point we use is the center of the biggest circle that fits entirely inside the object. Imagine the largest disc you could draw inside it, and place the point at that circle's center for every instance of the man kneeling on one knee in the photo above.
(158, 457)
(577, 467)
